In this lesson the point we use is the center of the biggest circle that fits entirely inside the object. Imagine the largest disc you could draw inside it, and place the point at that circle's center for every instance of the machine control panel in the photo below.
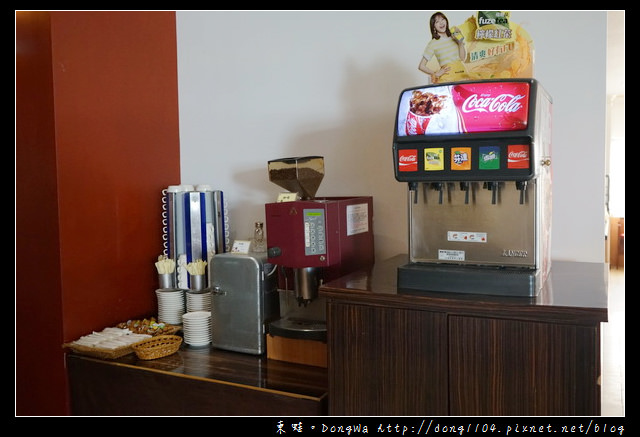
(315, 241)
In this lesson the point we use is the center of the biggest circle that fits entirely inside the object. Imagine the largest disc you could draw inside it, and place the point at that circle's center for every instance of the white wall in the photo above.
(617, 155)
(261, 85)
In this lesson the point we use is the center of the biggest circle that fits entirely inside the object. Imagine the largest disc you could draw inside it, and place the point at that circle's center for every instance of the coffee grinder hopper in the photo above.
(301, 175)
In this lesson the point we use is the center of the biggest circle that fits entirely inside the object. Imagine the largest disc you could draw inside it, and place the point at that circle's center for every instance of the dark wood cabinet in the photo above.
(378, 369)
(399, 353)
(195, 382)
(515, 368)
(391, 353)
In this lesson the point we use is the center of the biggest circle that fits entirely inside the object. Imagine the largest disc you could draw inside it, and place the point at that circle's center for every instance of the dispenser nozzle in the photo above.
(465, 186)
(522, 186)
(438, 186)
(493, 186)
(413, 186)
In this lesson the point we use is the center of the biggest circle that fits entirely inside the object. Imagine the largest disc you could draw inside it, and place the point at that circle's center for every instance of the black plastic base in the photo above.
(299, 329)
(497, 281)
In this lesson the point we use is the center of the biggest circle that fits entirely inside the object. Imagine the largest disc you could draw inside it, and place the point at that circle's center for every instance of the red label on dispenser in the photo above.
(408, 160)
(518, 156)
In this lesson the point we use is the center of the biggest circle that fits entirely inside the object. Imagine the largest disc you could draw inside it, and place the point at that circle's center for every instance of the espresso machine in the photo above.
(312, 240)
(476, 157)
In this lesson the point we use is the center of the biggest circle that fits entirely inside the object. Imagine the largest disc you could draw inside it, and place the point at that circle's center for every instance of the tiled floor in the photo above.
(613, 348)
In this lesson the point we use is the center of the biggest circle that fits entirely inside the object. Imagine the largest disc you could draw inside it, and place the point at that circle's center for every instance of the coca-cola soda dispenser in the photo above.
(476, 157)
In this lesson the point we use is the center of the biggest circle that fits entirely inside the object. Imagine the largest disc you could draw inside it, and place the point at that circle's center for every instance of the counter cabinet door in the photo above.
(386, 361)
(523, 368)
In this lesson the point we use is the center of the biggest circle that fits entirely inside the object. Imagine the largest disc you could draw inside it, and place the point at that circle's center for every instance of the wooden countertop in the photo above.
(210, 364)
(575, 293)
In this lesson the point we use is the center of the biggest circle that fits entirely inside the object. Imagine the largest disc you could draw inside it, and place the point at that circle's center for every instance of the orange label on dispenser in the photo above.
(461, 158)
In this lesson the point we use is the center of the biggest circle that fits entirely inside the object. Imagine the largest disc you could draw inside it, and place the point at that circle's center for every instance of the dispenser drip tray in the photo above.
(487, 280)
(301, 329)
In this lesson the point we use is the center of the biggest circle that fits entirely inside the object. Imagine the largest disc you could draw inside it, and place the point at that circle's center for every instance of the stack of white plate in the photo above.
(196, 327)
(170, 305)
(198, 301)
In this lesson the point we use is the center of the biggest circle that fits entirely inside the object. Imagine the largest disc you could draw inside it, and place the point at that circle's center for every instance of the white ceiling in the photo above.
(615, 52)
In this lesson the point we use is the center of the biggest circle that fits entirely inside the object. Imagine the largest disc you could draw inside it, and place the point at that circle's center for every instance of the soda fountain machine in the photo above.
(476, 157)
(312, 240)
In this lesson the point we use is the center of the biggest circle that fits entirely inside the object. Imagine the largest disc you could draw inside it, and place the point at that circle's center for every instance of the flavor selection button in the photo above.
(467, 237)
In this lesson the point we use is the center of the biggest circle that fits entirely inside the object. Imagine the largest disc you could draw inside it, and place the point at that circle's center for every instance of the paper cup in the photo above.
(416, 124)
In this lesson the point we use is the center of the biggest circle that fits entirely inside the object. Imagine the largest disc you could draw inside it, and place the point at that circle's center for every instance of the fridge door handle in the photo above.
(217, 291)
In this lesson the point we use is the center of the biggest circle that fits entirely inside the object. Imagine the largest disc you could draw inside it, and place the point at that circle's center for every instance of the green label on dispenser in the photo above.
(489, 158)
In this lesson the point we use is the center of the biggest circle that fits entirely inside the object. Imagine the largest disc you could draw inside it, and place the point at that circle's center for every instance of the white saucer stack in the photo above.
(170, 305)
(198, 301)
(196, 327)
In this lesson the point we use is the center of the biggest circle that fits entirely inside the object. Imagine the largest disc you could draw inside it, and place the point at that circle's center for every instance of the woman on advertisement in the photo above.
(448, 50)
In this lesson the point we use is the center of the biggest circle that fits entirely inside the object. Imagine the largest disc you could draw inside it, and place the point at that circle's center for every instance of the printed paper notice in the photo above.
(357, 219)
(241, 246)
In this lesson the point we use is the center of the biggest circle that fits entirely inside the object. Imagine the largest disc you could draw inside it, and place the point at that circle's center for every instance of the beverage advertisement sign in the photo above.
(464, 108)
(487, 45)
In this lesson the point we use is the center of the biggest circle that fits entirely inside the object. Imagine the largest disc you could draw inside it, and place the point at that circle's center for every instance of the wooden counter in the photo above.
(195, 381)
(395, 352)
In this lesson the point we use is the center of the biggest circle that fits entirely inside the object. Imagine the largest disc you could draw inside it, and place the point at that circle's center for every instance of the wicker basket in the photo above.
(157, 347)
(91, 351)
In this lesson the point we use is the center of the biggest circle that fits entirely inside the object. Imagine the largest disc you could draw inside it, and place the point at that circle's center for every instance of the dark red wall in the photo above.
(97, 139)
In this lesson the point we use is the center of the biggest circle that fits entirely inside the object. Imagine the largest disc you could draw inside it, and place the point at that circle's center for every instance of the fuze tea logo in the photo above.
(434, 159)
(408, 160)
(489, 158)
(493, 25)
(486, 18)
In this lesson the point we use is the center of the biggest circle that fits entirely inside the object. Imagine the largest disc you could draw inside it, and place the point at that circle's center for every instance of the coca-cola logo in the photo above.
(408, 160)
(518, 156)
(501, 103)
(522, 154)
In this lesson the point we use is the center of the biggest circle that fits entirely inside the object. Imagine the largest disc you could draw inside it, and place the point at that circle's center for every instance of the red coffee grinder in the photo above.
(311, 241)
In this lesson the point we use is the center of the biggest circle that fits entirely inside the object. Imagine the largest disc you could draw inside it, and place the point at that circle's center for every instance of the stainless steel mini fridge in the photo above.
(244, 300)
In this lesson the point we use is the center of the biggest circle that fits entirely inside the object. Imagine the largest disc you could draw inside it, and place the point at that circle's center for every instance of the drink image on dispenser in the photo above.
(422, 106)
